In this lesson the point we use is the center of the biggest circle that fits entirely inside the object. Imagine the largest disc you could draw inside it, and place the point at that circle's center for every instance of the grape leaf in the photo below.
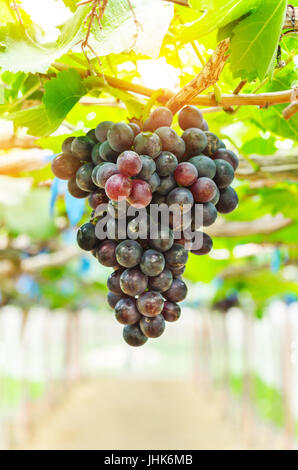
(62, 93)
(20, 52)
(142, 30)
(222, 13)
(35, 119)
(255, 39)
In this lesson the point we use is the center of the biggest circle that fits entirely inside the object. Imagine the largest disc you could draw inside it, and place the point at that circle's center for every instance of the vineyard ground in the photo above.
(135, 414)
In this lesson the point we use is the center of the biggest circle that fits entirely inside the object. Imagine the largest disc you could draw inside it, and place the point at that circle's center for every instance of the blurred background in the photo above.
(225, 376)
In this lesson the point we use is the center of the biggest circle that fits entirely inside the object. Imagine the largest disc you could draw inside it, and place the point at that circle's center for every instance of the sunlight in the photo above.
(158, 74)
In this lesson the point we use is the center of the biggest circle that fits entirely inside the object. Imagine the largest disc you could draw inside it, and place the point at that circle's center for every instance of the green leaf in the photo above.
(222, 13)
(255, 39)
(62, 93)
(259, 146)
(20, 52)
(35, 119)
(119, 31)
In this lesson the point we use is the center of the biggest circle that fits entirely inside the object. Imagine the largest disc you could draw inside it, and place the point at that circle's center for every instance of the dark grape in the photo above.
(133, 282)
(195, 141)
(166, 163)
(164, 241)
(222, 145)
(147, 143)
(65, 166)
(209, 214)
(206, 247)
(167, 183)
(228, 200)
(224, 173)
(106, 253)
(126, 311)
(148, 168)
(176, 256)
(84, 177)
(204, 165)
(74, 190)
(116, 210)
(190, 116)
(161, 116)
(162, 281)
(153, 327)
(228, 156)
(118, 187)
(152, 262)
(106, 152)
(101, 131)
(185, 174)
(154, 182)
(128, 253)
(66, 146)
(86, 237)
(178, 221)
(96, 198)
(140, 194)
(171, 311)
(103, 172)
(113, 281)
(171, 141)
(92, 136)
(177, 271)
(135, 128)
(177, 292)
(95, 155)
(203, 190)
(150, 303)
(213, 144)
(133, 335)
(129, 163)
(181, 196)
(81, 147)
(120, 137)
(113, 298)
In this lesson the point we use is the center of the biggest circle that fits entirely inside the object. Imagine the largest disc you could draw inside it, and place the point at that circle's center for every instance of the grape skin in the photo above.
(133, 282)
(171, 311)
(190, 116)
(133, 336)
(101, 131)
(118, 187)
(162, 281)
(152, 262)
(167, 183)
(86, 237)
(161, 116)
(129, 163)
(206, 247)
(166, 163)
(106, 153)
(228, 201)
(228, 155)
(177, 292)
(120, 137)
(106, 254)
(185, 174)
(147, 143)
(195, 141)
(224, 173)
(81, 147)
(177, 256)
(113, 299)
(150, 303)
(129, 253)
(74, 190)
(148, 167)
(126, 311)
(204, 189)
(213, 144)
(153, 327)
(66, 145)
(102, 173)
(84, 177)
(204, 165)
(140, 194)
(65, 166)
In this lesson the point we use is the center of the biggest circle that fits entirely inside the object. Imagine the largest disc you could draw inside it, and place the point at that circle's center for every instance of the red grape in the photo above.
(186, 174)
(204, 189)
(65, 166)
(118, 187)
(129, 163)
(141, 194)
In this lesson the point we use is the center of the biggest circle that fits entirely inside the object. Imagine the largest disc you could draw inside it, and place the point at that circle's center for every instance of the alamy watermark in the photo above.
(121, 222)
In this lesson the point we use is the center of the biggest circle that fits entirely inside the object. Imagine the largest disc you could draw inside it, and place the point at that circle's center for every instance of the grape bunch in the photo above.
(120, 165)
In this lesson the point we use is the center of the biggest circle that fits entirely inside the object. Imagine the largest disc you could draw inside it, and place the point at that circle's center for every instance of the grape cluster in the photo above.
(118, 162)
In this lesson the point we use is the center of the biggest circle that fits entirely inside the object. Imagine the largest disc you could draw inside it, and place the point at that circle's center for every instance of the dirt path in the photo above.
(129, 414)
